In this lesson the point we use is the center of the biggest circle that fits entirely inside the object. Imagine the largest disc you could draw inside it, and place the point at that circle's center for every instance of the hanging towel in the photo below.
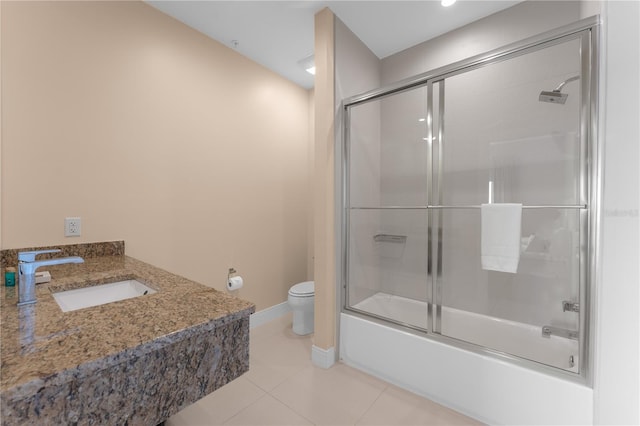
(500, 236)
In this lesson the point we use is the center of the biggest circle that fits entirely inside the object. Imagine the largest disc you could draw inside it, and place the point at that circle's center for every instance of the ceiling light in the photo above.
(447, 3)
(308, 64)
(421, 119)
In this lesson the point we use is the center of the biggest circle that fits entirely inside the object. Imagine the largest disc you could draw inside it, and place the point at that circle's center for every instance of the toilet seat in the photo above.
(305, 289)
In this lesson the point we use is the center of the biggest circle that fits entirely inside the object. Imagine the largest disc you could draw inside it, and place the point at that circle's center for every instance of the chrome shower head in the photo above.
(555, 96)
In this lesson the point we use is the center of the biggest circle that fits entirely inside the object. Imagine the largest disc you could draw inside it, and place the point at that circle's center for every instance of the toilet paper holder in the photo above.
(234, 282)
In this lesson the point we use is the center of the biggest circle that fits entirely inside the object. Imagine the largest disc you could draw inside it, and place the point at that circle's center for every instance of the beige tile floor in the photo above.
(283, 387)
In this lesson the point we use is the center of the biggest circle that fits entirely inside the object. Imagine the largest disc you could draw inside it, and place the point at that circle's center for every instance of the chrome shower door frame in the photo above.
(590, 184)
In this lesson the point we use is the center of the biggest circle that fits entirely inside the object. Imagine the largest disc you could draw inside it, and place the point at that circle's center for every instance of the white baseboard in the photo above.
(264, 316)
(323, 358)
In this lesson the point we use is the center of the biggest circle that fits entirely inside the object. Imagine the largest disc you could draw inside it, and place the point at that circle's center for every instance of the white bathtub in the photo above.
(523, 340)
(484, 387)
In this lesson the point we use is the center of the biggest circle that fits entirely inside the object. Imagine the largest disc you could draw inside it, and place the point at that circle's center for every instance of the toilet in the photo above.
(301, 301)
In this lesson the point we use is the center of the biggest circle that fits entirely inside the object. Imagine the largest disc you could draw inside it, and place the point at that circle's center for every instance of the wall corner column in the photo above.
(324, 353)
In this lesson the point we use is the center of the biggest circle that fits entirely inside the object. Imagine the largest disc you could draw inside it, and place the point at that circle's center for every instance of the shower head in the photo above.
(555, 96)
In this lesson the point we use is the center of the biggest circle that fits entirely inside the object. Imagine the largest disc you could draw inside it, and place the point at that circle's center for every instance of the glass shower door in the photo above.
(504, 137)
(388, 157)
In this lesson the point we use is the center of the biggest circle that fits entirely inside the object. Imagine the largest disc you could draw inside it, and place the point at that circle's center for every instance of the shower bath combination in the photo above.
(420, 160)
(411, 224)
(555, 96)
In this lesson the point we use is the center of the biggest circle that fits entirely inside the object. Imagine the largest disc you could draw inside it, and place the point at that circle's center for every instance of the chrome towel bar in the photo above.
(569, 206)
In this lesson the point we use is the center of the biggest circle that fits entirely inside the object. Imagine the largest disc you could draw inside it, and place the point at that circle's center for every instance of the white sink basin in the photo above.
(86, 297)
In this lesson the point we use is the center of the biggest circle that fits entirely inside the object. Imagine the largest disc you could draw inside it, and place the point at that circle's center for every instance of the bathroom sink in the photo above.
(86, 297)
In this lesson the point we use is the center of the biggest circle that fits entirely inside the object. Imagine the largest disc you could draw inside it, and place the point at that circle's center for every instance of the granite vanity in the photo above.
(132, 362)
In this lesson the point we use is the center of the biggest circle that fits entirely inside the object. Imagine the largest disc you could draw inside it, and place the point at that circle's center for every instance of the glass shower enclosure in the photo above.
(426, 159)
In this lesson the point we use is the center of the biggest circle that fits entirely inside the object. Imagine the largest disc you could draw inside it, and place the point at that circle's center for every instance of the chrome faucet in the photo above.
(27, 265)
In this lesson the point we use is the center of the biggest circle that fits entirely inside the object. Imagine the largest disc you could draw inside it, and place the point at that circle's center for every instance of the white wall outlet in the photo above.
(72, 227)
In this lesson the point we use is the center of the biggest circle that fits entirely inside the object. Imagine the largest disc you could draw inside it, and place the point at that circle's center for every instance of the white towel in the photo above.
(500, 236)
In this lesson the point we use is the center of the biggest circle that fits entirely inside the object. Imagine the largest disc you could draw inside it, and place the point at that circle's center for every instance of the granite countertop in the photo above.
(41, 345)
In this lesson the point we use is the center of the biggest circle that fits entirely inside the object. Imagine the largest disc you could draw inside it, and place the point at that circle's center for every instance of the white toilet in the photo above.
(301, 302)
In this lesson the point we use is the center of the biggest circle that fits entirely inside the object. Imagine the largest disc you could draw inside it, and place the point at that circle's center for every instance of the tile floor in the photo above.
(283, 387)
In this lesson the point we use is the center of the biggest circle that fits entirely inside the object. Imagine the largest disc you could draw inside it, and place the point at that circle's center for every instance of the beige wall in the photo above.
(157, 135)
(324, 201)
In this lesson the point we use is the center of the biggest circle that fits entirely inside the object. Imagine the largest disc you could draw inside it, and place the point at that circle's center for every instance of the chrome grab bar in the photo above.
(548, 330)
(389, 238)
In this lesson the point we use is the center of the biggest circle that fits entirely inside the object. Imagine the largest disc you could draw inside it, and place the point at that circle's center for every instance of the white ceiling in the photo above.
(278, 34)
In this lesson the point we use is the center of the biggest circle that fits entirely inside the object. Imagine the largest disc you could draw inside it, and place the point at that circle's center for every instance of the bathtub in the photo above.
(488, 388)
(522, 340)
